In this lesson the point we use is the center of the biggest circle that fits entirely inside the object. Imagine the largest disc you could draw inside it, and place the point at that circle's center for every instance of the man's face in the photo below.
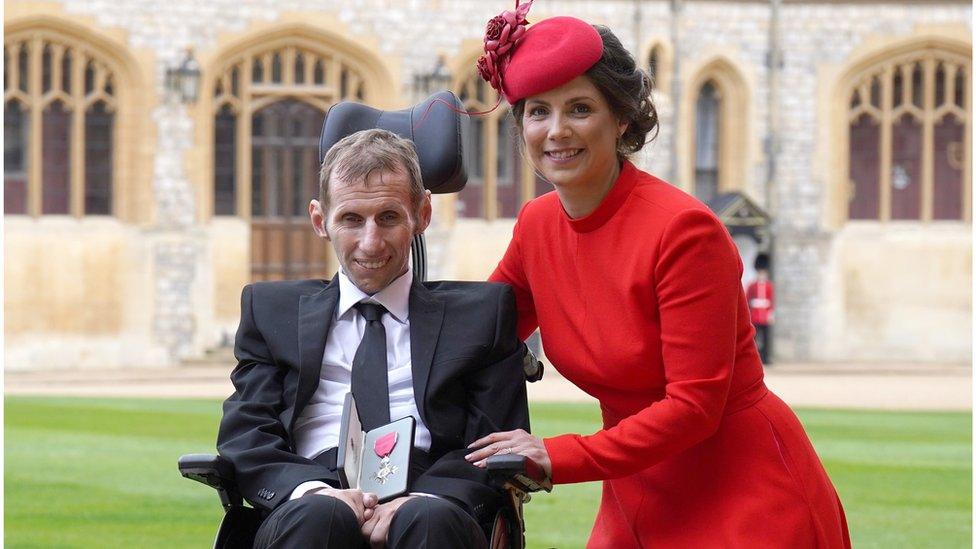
(370, 224)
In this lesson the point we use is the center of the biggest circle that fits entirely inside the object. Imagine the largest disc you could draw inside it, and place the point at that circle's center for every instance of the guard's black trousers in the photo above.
(763, 342)
(323, 521)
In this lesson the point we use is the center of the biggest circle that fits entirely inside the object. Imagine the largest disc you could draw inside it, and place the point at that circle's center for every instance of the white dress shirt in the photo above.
(317, 428)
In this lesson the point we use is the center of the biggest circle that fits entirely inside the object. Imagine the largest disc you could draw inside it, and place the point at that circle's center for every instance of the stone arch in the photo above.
(734, 124)
(925, 48)
(126, 97)
(371, 81)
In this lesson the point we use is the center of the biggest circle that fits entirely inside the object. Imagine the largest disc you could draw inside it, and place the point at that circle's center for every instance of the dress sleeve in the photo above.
(697, 284)
(511, 271)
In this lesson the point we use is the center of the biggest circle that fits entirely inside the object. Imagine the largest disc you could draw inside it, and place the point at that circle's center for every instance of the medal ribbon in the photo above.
(385, 444)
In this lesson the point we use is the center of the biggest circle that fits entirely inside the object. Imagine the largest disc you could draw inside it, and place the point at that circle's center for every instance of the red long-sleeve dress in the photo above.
(640, 305)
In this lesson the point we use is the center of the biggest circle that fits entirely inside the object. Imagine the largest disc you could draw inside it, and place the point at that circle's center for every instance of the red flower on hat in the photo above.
(487, 70)
(494, 28)
(501, 34)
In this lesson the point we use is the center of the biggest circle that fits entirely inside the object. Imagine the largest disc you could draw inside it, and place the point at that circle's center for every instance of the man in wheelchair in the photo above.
(445, 353)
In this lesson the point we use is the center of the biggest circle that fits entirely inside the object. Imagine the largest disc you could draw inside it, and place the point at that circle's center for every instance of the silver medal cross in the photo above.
(385, 471)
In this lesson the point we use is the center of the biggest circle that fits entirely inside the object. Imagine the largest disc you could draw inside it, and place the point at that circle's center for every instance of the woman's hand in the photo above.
(510, 442)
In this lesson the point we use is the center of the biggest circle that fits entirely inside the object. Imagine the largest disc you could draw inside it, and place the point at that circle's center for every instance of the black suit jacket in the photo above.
(467, 377)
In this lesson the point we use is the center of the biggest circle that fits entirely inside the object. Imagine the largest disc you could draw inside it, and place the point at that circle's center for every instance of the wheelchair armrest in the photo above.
(532, 366)
(519, 472)
(214, 471)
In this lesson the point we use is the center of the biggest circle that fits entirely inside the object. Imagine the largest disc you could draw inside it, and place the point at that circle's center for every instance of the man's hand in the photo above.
(362, 504)
(376, 528)
(510, 442)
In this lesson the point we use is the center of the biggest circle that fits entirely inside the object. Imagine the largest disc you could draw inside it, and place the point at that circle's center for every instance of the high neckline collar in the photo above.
(611, 203)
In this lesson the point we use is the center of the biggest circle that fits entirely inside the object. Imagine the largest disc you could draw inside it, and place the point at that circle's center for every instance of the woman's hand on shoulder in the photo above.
(510, 442)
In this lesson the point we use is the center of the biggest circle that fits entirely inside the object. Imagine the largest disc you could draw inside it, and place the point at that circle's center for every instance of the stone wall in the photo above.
(816, 38)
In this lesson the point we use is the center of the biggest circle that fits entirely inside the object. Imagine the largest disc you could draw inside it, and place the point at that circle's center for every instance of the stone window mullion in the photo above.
(288, 66)
(35, 51)
(57, 54)
(243, 178)
(332, 76)
(928, 137)
(884, 179)
(266, 68)
(77, 157)
(309, 69)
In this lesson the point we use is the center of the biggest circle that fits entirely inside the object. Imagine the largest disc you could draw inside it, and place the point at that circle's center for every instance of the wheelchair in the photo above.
(436, 132)
(517, 475)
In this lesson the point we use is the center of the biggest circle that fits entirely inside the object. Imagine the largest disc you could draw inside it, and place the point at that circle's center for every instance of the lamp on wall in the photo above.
(439, 78)
(184, 81)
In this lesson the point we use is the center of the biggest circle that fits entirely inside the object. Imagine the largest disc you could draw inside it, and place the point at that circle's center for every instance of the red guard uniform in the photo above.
(759, 295)
(640, 304)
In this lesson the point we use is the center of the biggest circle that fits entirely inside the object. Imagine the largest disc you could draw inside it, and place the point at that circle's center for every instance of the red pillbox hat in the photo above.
(550, 53)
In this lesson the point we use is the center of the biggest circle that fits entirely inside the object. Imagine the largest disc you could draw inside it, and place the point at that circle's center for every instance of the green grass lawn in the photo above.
(102, 473)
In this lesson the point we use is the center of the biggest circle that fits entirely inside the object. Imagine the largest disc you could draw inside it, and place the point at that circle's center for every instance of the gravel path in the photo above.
(872, 386)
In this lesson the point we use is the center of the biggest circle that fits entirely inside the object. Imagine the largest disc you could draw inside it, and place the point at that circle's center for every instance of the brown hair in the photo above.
(356, 156)
(627, 90)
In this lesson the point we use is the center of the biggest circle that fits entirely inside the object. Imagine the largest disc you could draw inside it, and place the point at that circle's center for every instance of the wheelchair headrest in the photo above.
(437, 137)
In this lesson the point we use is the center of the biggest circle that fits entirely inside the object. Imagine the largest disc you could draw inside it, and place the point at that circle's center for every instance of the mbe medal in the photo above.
(383, 447)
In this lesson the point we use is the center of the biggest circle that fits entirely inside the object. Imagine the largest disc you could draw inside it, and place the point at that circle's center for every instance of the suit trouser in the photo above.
(323, 521)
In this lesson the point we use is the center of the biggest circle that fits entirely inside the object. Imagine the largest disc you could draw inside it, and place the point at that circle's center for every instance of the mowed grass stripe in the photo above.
(102, 473)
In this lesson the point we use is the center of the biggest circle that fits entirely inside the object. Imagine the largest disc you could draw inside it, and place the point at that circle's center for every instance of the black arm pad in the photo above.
(214, 471)
(518, 471)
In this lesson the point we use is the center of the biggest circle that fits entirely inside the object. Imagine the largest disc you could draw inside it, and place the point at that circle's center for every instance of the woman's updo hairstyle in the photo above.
(627, 90)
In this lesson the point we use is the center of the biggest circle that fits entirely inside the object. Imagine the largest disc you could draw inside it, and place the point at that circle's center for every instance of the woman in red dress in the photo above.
(635, 288)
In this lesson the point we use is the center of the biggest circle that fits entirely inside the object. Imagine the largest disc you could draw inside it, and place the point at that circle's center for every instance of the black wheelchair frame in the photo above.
(517, 475)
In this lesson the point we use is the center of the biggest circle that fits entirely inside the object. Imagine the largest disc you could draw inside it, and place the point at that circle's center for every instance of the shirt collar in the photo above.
(395, 297)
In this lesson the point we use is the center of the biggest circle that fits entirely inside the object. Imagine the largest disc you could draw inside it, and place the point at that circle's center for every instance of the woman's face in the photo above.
(571, 134)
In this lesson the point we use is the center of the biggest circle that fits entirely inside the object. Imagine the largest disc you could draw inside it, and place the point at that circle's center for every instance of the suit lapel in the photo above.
(315, 313)
(426, 316)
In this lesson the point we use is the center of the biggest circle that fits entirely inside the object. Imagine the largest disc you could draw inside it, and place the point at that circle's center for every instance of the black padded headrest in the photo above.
(434, 128)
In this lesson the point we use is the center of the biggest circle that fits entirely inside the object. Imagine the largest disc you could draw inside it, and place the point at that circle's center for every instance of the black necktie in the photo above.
(370, 387)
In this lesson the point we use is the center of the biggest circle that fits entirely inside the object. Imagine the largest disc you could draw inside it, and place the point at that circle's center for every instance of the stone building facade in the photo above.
(139, 261)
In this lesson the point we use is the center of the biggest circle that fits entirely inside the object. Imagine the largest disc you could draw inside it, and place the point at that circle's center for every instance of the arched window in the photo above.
(713, 130)
(500, 180)
(707, 110)
(907, 119)
(252, 82)
(269, 102)
(59, 126)
(658, 64)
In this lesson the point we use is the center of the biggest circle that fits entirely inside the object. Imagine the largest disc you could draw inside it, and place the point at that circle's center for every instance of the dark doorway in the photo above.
(284, 177)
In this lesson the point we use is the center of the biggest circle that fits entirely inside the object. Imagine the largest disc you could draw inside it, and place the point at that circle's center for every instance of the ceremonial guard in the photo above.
(760, 294)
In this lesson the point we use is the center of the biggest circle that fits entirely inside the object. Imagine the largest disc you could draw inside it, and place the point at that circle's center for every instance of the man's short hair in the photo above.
(355, 157)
